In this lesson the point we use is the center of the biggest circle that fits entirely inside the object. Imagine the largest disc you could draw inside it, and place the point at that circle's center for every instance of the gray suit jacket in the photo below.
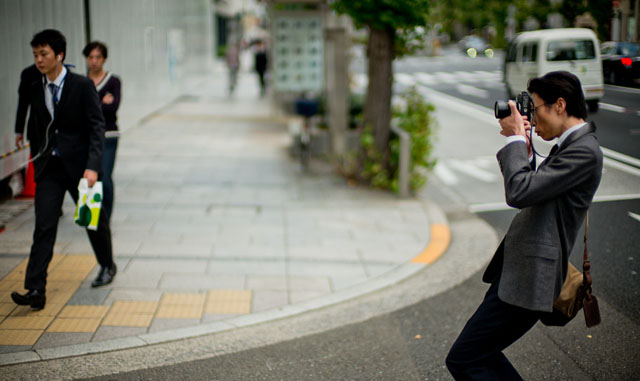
(531, 262)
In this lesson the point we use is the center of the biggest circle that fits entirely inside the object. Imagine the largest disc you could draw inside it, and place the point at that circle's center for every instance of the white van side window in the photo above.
(570, 50)
(530, 52)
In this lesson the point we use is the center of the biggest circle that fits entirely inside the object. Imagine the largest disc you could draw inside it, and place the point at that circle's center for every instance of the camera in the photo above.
(524, 104)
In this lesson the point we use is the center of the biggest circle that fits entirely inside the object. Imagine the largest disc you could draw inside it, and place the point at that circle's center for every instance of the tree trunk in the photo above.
(377, 108)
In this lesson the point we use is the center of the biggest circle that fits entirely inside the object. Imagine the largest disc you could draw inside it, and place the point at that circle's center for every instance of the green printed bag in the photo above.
(89, 204)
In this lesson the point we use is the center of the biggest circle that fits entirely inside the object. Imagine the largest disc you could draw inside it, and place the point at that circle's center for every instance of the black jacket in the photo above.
(77, 131)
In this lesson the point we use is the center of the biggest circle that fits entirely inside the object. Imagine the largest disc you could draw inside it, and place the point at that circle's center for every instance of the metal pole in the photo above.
(404, 169)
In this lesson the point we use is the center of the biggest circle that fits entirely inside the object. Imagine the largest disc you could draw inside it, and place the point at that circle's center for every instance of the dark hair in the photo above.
(53, 38)
(561, 84)
(95, 45)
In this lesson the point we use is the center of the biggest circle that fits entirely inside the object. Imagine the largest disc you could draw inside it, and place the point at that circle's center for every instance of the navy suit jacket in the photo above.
(77, 132)
(531, 261)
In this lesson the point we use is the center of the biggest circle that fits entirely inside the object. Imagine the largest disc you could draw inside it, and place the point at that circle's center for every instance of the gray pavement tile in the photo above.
(10, 246)
(86, 296)
(160, 265)
(202, 282)
(337, 253)
(139, 280)
(321, 268)
(375, 269)
(13, 348)
(135, 294)
(268, 299)
(259, 282)
(192, 249)
(244, 267)
(8, 263)
(301, 296)
(245, 251)
(167, 324)
(107, 333)
(207, 318)
(341, 283)
(58, 339)
(314, 284)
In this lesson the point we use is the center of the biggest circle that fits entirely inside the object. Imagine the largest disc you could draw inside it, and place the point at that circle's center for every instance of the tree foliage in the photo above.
(385, 14)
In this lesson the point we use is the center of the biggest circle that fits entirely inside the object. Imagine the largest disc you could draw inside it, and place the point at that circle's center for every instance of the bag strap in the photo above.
(586, 265)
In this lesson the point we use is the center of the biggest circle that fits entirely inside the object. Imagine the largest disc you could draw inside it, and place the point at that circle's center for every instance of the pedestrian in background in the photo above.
(260, 65)
(67, 139)
(530, 265)
(232, 57)
(108, 86)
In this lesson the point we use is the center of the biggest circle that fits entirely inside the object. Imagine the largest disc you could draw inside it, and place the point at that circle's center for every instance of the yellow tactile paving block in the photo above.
(19, 336)
(133, 307)
(60, 296)
(228, 308)
(5, 297)
(6, 308)
(26, 322)
(63, 285)
(74, 325)
(127, 320)
(15, 275)
(87, 312)
(228, 302)
(11, 285)
(50, 309)
(183, 298)
(180, 311)
(67, 275)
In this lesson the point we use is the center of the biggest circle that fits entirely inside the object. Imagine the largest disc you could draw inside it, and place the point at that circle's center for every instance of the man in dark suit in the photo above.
(530, 265)
(67, 139)
(28, 77)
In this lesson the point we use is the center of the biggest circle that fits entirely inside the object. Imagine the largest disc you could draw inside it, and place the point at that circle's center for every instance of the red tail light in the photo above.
(626, 61)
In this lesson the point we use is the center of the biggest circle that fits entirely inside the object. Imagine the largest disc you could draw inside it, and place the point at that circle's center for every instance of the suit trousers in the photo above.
(477, 353)
(50, 190)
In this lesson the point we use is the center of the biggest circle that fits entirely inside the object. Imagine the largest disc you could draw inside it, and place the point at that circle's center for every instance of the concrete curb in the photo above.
(435, 248)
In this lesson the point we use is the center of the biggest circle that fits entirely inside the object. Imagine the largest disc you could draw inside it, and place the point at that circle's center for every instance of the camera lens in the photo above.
(501, 109)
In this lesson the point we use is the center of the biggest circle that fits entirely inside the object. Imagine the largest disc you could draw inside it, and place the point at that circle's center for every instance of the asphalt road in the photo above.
(412, 342)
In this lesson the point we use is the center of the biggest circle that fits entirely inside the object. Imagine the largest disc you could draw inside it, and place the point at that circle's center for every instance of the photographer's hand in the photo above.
(513, 124)
(527, 128)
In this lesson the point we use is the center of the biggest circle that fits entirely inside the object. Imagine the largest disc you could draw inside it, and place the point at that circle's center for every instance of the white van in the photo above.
(533, 54)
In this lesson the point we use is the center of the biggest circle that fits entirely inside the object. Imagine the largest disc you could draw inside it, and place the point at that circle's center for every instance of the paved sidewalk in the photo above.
(214, 227)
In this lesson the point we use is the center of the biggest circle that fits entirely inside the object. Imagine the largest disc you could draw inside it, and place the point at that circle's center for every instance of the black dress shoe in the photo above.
(33, 298)
(105, 276)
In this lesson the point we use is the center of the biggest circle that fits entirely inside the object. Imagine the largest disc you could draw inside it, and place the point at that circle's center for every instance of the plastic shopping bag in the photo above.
(89, 204)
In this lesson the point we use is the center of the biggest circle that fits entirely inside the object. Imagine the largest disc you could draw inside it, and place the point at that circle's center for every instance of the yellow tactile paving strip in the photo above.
(228, 302)
(20, 325)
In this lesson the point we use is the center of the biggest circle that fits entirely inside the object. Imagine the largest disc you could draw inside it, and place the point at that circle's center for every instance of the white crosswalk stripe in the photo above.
(451, 171)
(481, 79)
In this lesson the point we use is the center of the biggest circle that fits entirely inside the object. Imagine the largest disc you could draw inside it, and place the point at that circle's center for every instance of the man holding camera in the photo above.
(529, 267)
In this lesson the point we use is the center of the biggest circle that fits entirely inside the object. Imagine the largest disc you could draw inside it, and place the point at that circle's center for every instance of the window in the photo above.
(530, 52)
(570, 50)
(512, 52)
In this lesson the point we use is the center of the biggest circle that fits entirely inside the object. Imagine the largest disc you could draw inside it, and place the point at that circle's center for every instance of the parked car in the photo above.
(533, 54)
(620, 62)
(474, 45)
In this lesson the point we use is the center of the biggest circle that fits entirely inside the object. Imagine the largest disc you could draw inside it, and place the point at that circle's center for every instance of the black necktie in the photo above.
(54, 96)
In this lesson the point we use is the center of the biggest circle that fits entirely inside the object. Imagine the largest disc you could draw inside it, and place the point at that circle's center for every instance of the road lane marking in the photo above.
(404, 79)
(425, 78)
(610, 107)
(621, 157)
(445, 174)
(473, 91)
(439, 240)
(634, 216)
(621, 166)
(473, 171)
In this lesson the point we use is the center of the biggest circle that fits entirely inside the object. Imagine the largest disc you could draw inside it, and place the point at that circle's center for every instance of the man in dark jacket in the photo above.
(67, 139)
(530, 265)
